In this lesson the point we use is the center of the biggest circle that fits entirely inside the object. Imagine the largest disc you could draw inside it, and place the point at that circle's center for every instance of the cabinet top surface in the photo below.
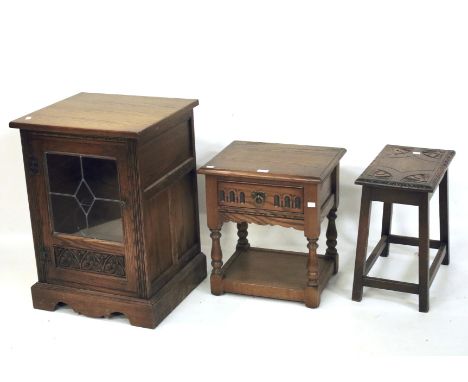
(274, 160)
(104, 114)
(413, 168)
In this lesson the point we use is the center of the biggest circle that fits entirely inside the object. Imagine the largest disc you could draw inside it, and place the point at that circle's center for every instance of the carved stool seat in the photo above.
(403, 175)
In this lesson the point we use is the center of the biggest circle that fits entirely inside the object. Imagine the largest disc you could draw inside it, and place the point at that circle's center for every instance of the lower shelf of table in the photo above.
(271, 273)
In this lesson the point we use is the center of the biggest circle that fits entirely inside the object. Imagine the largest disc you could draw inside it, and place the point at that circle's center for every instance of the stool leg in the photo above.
(361, 249)
(387, 225)
(444, 216)
(424, 253)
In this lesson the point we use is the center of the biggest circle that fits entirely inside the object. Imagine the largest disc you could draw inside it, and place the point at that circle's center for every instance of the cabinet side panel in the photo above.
(184, 224)
(171, 230)
(325, 189)
(158, 234)
(168, 175)
(164, 152)
(34, 173)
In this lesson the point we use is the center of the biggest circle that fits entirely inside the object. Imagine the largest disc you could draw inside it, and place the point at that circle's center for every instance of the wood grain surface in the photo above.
(412, 168)
(274, 160)
(104, 114)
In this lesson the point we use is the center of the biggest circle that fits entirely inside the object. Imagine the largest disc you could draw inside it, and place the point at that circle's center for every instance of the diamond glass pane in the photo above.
(103, 218)
(64, 173)
(101, 176)
(84, 196)
(67, 215)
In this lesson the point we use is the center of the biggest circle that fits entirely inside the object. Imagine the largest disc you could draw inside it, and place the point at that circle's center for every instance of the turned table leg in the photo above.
(312, 294)
(243, 242)
(216, 262)
(331, 239)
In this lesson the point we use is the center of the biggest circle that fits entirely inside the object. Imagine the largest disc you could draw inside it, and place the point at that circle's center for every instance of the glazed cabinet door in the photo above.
(81, 192)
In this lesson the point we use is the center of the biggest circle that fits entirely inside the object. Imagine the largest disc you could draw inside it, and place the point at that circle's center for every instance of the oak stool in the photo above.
(276, 184)
(403, 175)
(112, 192)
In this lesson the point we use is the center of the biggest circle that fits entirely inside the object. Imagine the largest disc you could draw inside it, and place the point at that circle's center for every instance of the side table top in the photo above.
(413, 168)
(104, 114)
(274, 160)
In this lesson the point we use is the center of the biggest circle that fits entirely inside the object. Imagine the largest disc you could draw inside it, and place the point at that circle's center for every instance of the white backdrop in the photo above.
(353, 74)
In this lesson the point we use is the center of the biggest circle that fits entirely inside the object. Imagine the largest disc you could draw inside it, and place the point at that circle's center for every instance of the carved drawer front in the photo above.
(260, 196)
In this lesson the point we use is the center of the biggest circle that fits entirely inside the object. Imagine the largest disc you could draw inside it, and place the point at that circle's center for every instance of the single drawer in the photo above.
(261, 196)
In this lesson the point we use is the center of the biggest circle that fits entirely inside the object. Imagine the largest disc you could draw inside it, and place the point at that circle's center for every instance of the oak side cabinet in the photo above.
(112, 189)
(292, 186)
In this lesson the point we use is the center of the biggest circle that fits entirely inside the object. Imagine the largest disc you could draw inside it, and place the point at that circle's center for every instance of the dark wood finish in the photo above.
(411, 198)
(242, 233)
(436, 263)
(397, 286)
(387, 226)
(444, 216)
(287, 185)
(404, 175)
(378, 250)
(424, 254)
(411, 168)
(406, 240)
(362, 241)
(158, 262)
(332, 235)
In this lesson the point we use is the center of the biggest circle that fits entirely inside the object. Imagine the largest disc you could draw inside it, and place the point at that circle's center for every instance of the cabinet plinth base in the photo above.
(140, 312)
(273, 274)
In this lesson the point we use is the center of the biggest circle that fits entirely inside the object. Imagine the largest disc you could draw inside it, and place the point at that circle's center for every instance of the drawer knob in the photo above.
(259, 197)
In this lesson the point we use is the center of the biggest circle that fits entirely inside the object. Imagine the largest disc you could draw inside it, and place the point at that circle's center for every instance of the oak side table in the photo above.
(277, 184)
(112, 192)
(404, 175)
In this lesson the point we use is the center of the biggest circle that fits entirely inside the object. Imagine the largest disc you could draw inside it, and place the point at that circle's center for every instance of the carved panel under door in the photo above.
(89, 261)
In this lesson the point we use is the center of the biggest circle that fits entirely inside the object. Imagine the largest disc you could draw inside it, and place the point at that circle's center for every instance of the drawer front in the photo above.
(261, 196)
